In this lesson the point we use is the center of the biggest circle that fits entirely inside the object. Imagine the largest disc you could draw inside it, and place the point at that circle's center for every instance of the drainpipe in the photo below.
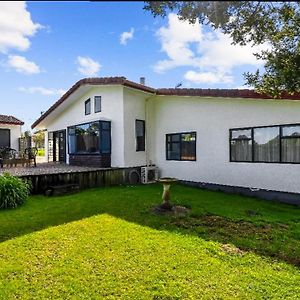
(146, 127)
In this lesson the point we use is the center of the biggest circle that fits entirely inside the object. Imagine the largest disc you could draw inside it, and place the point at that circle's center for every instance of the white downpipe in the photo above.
(146, 129)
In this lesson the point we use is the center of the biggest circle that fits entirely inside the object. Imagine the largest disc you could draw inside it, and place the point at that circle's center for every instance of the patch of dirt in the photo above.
(231, 249)
(175, 210)
(217, 223)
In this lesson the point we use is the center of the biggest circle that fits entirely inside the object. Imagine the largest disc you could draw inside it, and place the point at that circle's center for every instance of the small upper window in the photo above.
(97, 104)
(87, 107)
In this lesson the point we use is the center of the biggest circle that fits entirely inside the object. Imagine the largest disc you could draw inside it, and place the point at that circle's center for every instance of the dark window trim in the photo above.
(144, 135)
(97, 111)
(280, 126)
(180, 145)
(85, 104)
(100, 129)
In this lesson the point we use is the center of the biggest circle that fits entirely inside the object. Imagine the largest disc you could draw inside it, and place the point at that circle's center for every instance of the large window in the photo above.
(97, 104)
(87, 107)
(90, 138)
(270, 144)
(181, 146)
(140, 135)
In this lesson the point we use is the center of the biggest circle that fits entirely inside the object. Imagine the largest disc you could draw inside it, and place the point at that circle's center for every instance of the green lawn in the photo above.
(228, 247)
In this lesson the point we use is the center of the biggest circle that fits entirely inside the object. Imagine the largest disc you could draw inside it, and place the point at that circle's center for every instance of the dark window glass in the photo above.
(87, 138)
(266, 144)
(87, 106)
(241, 145)
(90, 138)
(4, 138)
(97, 104)
(173, 146)
(140, 135)
(181, 146)
(72, 139)
(105, 137)
(188, 146)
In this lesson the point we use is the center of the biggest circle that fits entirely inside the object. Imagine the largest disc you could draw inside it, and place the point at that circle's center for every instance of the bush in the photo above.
(41, 152)
(13, 191)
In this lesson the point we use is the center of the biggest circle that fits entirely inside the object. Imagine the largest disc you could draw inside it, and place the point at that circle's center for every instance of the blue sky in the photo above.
(45, 47)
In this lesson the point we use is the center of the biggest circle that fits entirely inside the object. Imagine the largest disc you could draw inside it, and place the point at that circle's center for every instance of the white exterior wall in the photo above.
(134, 109)
(212, 118)
(111, 110)
(15, 134)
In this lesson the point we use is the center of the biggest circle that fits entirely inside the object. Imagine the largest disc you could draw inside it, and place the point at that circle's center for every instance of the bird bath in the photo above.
(166, 197)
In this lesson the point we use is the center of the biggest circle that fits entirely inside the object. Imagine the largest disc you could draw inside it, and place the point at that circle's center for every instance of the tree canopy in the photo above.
(251, 22)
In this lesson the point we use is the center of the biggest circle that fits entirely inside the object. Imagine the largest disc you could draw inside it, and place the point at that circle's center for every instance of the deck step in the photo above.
(62, 189)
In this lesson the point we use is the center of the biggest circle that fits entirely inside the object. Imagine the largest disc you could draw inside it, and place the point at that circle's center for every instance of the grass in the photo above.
(228, 247)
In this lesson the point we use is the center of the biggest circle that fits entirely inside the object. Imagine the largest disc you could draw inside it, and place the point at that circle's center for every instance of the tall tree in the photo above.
(255, 23)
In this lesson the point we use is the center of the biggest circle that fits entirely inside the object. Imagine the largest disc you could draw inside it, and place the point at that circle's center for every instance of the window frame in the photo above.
(99, 97)
(88, 101)
(180, 145)
(280, 126)
(144, 135)
(100, 138)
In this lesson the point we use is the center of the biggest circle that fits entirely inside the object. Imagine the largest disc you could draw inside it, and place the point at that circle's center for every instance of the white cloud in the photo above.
(87, 66)
(126, 36)
(175, 42)
(207, 77)
(16, 26)
(42, 91)
(22, 65)
(211, 54)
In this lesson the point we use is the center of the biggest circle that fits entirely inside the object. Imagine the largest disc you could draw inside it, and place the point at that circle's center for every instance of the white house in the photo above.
(10, 131)
(225, 137)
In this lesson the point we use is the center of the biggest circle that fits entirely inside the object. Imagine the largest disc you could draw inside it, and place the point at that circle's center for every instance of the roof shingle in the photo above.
(10, 120)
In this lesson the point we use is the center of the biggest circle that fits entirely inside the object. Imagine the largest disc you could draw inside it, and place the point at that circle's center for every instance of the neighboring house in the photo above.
(226, 137)
(10, 131)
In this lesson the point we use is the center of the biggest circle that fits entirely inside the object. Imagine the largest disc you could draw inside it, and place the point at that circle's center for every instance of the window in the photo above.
(181, 146)
(87, 107)
(4, 138)
(140, 135)
(268, 144)
(241, 145)
(290, 144)
(90, 138)
(97, 104)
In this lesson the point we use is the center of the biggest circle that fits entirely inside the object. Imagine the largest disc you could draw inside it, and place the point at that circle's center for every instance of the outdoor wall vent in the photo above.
(142, 80)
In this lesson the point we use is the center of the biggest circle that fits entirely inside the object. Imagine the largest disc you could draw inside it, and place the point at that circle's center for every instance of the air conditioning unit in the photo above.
(149, 174)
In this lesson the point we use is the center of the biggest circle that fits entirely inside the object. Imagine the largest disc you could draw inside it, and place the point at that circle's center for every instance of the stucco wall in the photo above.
(212, 118)
(15, 134)
(134, 108)
(111, 110)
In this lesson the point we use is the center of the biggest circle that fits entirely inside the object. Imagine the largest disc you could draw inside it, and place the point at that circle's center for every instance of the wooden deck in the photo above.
(51, 174)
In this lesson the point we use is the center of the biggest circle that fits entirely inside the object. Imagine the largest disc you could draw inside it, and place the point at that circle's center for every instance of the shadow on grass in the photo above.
(266, 228)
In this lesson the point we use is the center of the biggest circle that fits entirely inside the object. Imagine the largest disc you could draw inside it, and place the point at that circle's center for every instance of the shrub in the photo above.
(13, 191)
